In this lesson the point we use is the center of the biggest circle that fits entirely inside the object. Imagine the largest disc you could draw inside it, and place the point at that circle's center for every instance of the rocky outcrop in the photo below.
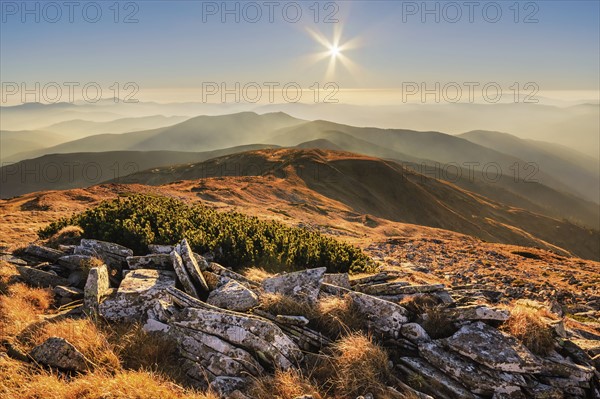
(447, 342)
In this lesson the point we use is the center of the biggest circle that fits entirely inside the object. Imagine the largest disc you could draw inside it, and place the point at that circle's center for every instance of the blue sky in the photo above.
(172, 47)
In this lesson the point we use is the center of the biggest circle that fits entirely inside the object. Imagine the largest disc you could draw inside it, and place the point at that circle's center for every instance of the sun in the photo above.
(334, 51)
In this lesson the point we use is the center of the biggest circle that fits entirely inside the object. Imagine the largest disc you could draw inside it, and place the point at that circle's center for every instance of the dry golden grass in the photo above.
(285, 305)
(21, 307)
(336, 316)
(88, 264)
(82, 333)
(525, 323)
(355, 367)
(69, 235)
(141, 350)
(438, 324)
(284, 385)
(21, 381)
(257, 274)
(419, 304)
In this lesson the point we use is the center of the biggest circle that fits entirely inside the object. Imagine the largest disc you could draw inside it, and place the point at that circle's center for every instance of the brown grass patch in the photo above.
(285, 305)
(438, 324)
(355, 367)
(284, 385)
(20, 381)
(525, 323)
(256, 274)
(69, 235)
(18, 312)
(336, 316)
(141, 350)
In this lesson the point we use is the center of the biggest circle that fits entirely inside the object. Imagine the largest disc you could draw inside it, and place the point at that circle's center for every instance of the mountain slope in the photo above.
(203, 133)
(581, 172)
(76, 170)
(386, 190)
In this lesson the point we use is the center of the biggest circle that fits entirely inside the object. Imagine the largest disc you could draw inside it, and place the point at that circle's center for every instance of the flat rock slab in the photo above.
(153, 261)
(40, 278)
(477, 312)
(74, 262)
(479, 379)
(103, 247)
(304, 285)
(382, 316)
(60, 353)
(139, 292)
(217, 356)
(339, 279)
(433, 380)
(43, 253)
(233, 296)
(160, 249)
(255, 335)
(494, 349)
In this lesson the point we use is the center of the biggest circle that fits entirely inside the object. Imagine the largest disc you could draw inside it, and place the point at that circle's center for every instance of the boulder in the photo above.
(182, 274)
(153, 261)
(40, 278)
(225, 386)
(60, 353)
(113, 255)
(258, 336)
(139, 292)
(226, 273)
(381, 316)
(96, 287)
(233, 296)
(494, 349)
(191, 265)
(303, 285)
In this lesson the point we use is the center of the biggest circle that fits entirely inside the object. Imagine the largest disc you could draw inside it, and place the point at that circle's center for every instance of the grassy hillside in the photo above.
(387, 190)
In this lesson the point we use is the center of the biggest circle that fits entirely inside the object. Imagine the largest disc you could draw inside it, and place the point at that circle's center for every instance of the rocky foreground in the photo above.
(443, 342)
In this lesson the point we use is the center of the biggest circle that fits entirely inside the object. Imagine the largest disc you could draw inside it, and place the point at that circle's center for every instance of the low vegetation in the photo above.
(236, 240)
(526, 324)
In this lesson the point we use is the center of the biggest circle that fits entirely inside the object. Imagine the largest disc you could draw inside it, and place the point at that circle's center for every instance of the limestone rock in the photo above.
(74, 262)
(191, 265)
(233, 296)
(292, 320)
(477, 312)
(339, 279)
(60, 353)
(139, 292)
(477, 378)
(43, 253)
(382, 316)
(226, 273)
(182, 274)
(65, 295)
(153, 261)
(224, 386)
(40, 278)
(303, 285)
(256, 335)
(160, 249)
(494, 349)
(113, 255)
(96, 287)
(437, 383)
(414, 333)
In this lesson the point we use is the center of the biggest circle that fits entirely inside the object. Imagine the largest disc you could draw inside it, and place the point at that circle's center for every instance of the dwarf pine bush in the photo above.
(237, 240)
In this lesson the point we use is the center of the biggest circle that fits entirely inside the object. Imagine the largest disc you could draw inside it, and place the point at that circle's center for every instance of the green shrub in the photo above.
(236, 240)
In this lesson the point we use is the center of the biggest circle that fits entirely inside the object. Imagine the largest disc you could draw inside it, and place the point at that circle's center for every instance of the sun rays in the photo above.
(334, 50)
